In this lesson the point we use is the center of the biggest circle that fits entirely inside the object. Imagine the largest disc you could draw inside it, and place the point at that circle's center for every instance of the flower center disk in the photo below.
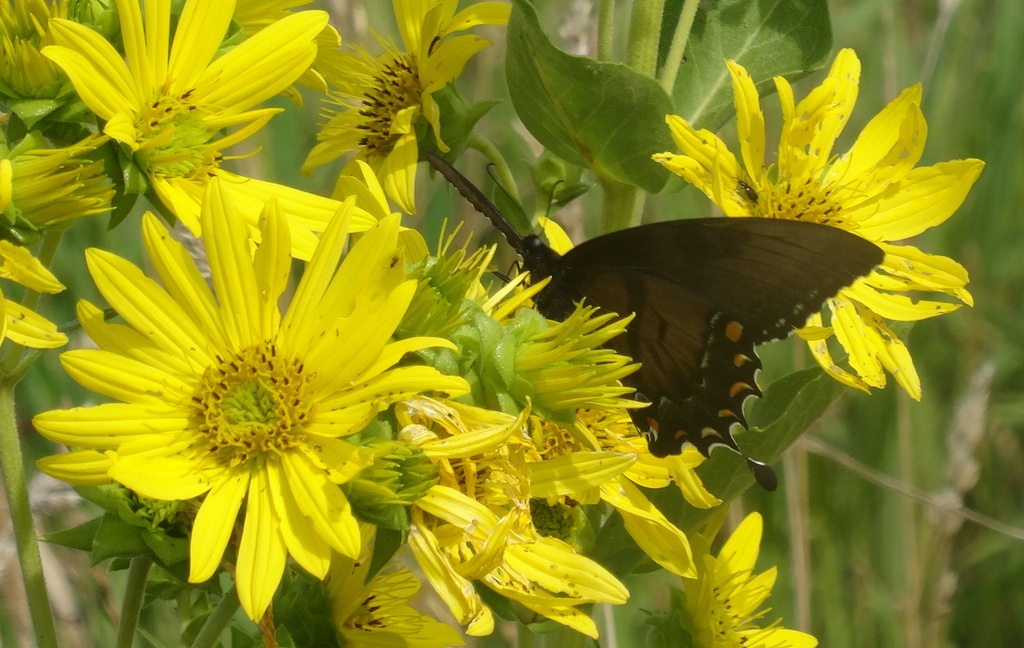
(253, 405)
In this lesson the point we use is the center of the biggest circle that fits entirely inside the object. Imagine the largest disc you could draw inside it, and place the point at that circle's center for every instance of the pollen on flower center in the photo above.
(802, 199)
(396, 87)
(173, 138)
(253, 405)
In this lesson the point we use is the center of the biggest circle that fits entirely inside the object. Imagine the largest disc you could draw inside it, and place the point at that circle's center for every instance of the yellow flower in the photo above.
(872, 190)
(224, 398)
(722, 602)
(475, 523)
(380, 98)
(51, 186)
(17, 323)
(24, 72)
(376, 613)
(255, 15)
(169, 104)
(564, 472)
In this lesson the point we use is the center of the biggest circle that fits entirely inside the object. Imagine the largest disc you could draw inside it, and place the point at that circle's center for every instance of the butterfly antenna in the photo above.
(475, 197)
(551, 197)
(763, 473)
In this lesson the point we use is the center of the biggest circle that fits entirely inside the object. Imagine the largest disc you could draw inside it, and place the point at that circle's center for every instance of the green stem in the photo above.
(494, 156)
(524, 637)
(21, 519)
(218, 620)
(644, 35)
(605, 30)
(138, 575)
(670, 71)
(621, 207)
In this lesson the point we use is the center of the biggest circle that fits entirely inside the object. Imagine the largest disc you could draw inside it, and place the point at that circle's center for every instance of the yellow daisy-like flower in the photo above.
(723, 602)
(169, 103)
(17, 323)
(872, 190)
(47, 187)
(256, 15)
(475, 523)
(380, 98)
(24, 72)
(377, 613)
(556, 478)
(224, 398)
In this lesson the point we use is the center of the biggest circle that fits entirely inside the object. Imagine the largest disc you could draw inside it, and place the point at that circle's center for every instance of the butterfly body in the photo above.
(704, 292)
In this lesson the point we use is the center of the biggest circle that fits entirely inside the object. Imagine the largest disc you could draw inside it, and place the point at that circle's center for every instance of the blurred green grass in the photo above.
(876, 556)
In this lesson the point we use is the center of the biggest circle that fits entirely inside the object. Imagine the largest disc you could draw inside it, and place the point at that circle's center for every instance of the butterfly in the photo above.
(704, 292)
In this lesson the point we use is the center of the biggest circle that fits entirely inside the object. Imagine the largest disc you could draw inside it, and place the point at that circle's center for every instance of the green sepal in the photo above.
(603, 116)
(787, 38)
(80, 537)
(672, 628)
(457, 122)
(302, 608)
(557, 182)
(116, 538)
(386, 543)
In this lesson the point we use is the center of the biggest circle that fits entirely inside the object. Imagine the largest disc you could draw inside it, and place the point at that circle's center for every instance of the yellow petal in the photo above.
(214, 525)
(109, 424)
(182, 279)
(234, 280)
(749, 119)
(19, 265)
(553, 565)
(739, 553)
(124, 379)
(457, 592)
(851, 332)
(147, 307)
(576, 472)
(30, 329)
(94, 67)
(261, 552)
(80, 467)
(262, 65)
(927, 197)
(304, 544)
(324, 503)
(197, 37)
(877, 139)
(650, 529)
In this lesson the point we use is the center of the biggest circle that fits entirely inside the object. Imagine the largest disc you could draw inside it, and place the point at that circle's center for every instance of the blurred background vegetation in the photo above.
(864, 530)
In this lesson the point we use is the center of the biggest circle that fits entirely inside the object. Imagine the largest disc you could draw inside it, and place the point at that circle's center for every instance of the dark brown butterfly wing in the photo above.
(705, 292)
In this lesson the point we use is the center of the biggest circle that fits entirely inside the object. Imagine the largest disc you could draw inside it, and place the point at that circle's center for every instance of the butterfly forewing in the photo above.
(769, 274)
(704, 293)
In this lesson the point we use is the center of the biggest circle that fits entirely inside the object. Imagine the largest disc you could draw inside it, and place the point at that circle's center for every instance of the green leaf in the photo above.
(769, 38)
(790, 405)
(603, 116)
(115, 537)
(386, 543)
(79, 537)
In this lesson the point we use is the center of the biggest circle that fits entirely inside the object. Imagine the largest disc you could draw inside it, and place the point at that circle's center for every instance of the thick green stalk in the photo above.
(138, 575)
(670, 71)
(622, 205)
(494, 156)
(13, 469)
(644, 35)
(218, 620)
(605, 32)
